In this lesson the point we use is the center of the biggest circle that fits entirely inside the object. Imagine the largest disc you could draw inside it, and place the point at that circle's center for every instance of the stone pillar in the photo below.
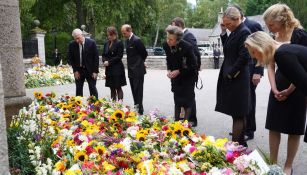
(11, 59)
(4, 160)
(39, 34)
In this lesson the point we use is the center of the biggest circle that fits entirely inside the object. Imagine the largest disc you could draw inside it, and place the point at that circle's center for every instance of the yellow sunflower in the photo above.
(80, 156)
(100, 149)
(118, 114)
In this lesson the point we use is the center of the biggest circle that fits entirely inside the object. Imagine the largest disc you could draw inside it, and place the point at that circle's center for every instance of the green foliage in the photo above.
(18, 155)
(62, 41)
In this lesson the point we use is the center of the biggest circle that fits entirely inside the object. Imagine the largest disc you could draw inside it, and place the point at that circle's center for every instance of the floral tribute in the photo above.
(40, 76)
(74, 136)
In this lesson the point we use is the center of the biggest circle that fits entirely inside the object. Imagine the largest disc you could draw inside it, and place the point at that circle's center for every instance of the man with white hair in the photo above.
(84, 59)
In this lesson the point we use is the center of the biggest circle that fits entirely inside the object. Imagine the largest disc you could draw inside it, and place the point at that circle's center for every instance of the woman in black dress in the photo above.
(285, 101)
(182, 70)
(292, 63)
(233, 86)
(112, 60)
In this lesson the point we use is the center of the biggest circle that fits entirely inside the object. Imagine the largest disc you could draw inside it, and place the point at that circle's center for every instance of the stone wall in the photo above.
(154, 62)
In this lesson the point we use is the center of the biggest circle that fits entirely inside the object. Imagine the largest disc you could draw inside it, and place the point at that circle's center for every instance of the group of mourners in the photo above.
(247, 49)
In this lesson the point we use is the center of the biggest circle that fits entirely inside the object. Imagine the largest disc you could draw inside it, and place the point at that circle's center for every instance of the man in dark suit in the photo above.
(190, 38)
(84, 59)
(256, 72)
(136, 56)
(56, 57)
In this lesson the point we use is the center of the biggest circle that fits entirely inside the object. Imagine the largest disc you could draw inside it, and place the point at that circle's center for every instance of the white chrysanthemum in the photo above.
(132, 130)
(127, 144)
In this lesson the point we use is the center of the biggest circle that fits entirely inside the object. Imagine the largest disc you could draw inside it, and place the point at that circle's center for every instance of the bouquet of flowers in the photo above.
(40, 76)
(73, 135)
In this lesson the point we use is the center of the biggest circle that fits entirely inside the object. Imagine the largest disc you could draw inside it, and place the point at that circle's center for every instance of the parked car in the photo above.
(158, 51)
(150, 51)
(206, 51)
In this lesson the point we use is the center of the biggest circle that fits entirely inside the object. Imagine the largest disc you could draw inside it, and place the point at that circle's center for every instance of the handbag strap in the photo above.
(201, 83)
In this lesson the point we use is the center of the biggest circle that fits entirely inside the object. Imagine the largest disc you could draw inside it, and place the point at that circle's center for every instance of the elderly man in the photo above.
(83, 57)
(136, 55)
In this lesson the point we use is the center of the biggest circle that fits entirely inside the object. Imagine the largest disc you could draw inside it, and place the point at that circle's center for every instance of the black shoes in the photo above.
(247, 136)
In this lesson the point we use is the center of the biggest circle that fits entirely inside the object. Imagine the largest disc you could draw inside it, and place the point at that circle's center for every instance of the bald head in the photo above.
(126, 30)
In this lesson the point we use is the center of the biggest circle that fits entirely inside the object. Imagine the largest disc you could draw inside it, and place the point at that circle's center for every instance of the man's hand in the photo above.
(94, 76)
(77, 75)
(256, 79)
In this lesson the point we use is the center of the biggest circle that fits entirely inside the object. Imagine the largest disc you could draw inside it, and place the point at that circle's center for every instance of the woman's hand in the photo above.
(173, 74)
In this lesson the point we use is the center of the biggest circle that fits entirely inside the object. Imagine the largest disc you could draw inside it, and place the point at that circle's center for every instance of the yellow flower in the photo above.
(131, 119)
(60, 166)
(73, 172)
(132, 114)
(70, 143)
(38, 95)
(186, 132)
(140, 136)
(129, 171)
(118, 114)
(220, 143)
(100, 149)
(80, 156)
(107, 166)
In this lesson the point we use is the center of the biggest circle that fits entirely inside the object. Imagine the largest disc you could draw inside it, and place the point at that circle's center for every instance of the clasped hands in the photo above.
(281, 95)
(173, 74)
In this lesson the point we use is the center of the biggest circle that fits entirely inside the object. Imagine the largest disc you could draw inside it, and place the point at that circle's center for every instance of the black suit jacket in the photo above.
(190, 38)
(136, 56)
(254, 26)
(91, 58)
(114, 55)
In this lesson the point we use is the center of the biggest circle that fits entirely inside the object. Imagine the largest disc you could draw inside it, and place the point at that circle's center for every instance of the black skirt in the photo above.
(115, 81)
(184, 96)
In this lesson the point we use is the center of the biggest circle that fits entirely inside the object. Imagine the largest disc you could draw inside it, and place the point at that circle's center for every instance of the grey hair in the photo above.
(127, 27)
(174, 30)
(76, 32)
(232, 13)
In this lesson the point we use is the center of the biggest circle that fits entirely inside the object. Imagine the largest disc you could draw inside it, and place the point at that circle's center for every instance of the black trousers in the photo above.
(136, 84)
(216, 62)
(250, 118)
(85, 75)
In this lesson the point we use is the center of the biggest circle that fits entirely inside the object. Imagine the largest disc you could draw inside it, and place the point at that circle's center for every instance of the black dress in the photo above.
(115, 72)
(287, 116)
(182, 57)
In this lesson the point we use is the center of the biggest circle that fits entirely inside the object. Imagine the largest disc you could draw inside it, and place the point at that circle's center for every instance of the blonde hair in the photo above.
(263, 43)
(282, 14)
(232, 13)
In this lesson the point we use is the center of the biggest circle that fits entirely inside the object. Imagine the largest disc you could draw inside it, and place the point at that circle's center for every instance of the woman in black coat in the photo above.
(233, 91)
(112, 60)
(182, 70)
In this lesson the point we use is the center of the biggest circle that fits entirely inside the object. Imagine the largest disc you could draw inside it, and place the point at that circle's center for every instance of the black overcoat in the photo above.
(114, 55)
(233, 91)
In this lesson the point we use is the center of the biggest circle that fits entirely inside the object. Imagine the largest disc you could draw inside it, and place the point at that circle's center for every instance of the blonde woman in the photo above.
(292, 63)
(233, 87)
